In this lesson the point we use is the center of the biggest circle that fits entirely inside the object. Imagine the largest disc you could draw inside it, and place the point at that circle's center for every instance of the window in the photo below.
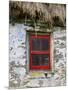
(39, 52)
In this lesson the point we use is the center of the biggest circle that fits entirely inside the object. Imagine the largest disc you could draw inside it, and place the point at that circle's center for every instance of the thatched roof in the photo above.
(53, 14)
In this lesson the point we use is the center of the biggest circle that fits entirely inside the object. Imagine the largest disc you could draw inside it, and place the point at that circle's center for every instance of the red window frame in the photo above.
(46, 67)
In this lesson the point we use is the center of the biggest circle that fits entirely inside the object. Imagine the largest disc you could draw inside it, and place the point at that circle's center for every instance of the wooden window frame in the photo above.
(47, 67)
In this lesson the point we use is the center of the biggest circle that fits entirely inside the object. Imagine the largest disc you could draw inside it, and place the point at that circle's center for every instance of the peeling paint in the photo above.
(18, 60)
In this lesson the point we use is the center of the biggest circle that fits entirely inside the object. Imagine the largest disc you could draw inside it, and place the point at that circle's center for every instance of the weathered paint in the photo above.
(19, 76)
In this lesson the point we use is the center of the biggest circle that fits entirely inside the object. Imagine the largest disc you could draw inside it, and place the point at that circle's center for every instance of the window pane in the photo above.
(40, 44)
(39, 60)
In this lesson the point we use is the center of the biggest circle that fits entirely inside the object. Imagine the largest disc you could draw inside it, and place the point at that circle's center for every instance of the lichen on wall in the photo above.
(18, 74)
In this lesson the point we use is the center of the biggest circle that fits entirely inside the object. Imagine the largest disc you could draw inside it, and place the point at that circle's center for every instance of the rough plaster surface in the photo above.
(18, 77)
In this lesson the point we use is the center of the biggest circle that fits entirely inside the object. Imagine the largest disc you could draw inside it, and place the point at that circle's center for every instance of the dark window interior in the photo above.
(39, 60)
(40, 44)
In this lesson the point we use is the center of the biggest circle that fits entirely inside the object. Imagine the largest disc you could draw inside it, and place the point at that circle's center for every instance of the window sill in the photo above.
(38, 75)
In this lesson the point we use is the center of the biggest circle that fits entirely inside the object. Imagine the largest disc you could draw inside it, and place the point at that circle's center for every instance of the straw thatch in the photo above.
(53, 14)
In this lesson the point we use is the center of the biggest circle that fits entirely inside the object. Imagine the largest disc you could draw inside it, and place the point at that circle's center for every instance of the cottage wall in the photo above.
(18, 59)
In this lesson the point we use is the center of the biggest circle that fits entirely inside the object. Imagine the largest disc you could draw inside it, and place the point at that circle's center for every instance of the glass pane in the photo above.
(40, 44)
(44, 44)
(39, 60)
(35, 44)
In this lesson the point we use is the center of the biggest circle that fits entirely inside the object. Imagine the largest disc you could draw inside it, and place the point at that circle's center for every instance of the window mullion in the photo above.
(40, 52)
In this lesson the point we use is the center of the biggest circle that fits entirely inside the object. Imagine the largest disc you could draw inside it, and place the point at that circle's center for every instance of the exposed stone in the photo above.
(19, 75)
(32, 83)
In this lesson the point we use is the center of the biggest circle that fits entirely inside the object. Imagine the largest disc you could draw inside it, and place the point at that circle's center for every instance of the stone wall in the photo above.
(18, 75)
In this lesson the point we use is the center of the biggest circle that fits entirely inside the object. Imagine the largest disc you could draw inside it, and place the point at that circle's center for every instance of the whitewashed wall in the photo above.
(18, 76)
